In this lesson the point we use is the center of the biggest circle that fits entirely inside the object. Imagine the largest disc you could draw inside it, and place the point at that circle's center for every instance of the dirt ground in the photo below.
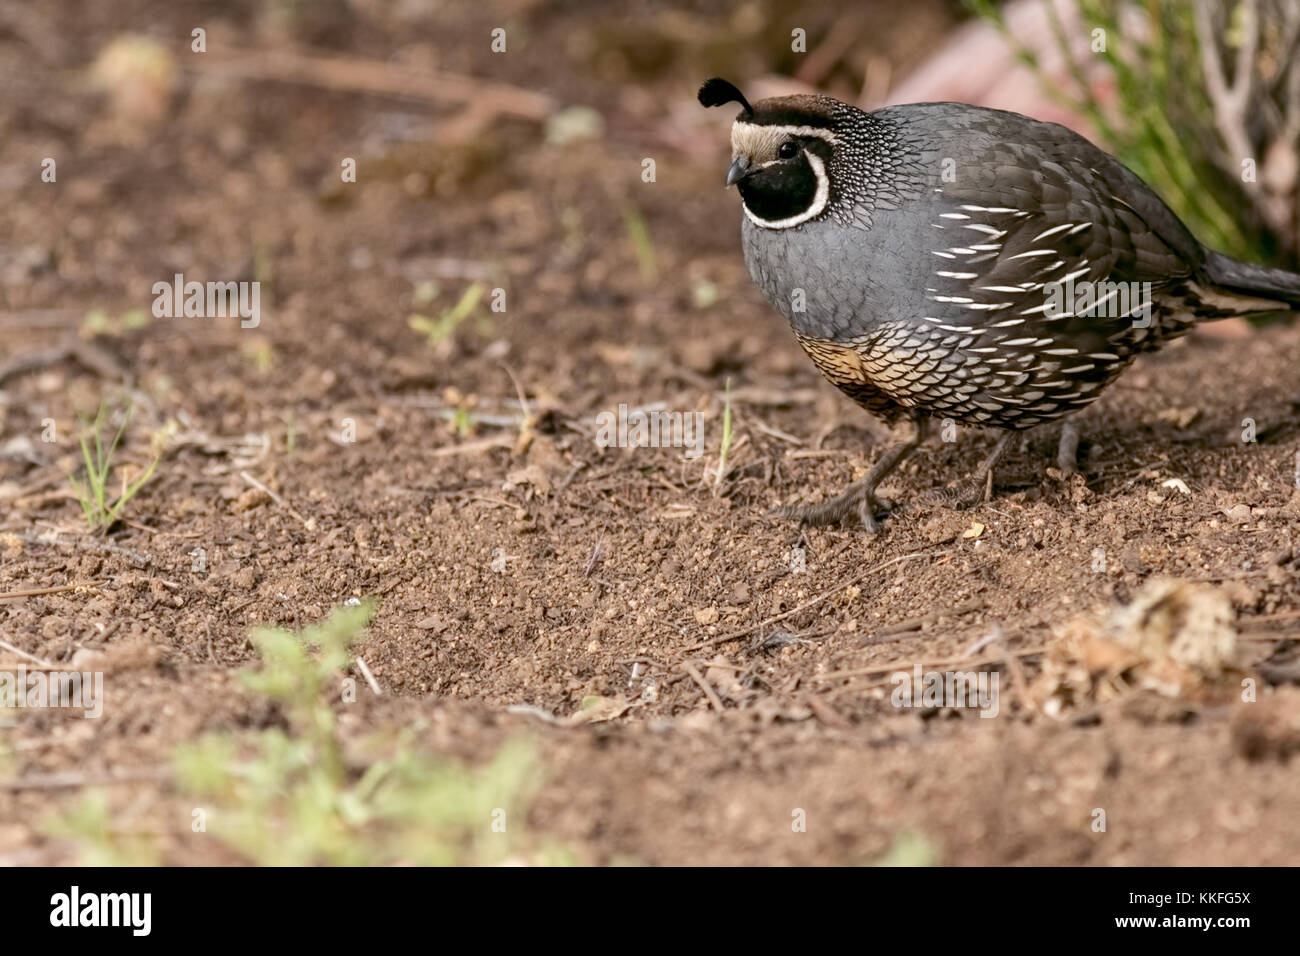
(336, 451)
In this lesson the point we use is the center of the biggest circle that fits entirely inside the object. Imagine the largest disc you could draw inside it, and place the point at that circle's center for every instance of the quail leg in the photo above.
(1067, 452)
(860, 497)
(984, 474)
(981, 487)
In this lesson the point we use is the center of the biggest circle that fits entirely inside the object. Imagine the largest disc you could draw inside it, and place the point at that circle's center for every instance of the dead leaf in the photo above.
(1179, 417)
(532, 475)
(596, 709)
(706, 615)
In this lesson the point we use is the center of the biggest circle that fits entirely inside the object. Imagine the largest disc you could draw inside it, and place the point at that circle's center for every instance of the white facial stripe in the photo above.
(820, 198)
(760, 142)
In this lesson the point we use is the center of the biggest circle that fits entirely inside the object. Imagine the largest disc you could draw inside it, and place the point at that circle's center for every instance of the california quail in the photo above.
(949, 261)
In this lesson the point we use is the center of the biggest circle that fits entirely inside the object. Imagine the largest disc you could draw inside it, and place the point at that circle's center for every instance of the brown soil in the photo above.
(544, 571)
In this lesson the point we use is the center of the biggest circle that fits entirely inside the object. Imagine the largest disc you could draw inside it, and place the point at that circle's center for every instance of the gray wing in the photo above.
(1044, 282)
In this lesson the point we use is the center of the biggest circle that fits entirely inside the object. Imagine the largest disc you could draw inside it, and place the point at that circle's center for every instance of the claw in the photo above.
(867, 516)
(859, 500)
(854, 503)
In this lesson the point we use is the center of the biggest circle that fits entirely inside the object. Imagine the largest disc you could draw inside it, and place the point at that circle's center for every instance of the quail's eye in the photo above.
(789, 149)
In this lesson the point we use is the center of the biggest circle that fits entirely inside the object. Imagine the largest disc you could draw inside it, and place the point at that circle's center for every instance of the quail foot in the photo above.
(940, 260)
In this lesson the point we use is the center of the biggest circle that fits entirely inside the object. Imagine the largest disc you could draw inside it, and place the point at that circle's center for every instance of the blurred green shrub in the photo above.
(1206, 108)
(297, 799)
(299, 795)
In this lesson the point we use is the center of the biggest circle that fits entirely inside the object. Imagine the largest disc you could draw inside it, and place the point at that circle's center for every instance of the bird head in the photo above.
(783, 153)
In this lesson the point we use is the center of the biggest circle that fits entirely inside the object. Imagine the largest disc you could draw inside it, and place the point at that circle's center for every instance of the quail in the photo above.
(945, 261)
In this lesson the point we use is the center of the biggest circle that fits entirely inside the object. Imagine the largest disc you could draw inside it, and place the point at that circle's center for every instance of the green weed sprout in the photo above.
(440, 329)
(726, 435)
(99, 512)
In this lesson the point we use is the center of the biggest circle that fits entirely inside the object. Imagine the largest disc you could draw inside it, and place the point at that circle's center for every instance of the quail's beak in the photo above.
(738, 171)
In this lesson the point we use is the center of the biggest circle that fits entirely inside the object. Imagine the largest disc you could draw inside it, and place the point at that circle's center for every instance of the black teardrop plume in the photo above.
(717, 91)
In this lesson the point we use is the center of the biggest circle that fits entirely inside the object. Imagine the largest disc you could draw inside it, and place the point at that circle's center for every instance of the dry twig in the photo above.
(750, 628)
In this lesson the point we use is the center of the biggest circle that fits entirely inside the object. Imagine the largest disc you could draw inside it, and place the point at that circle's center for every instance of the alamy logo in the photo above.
(212, 300)
(651, 429)
(931, 690)
(1106, 299)
(103, 909)
(76, 690)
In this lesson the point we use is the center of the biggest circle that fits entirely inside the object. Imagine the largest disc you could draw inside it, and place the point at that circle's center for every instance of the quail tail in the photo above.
(1254, 288)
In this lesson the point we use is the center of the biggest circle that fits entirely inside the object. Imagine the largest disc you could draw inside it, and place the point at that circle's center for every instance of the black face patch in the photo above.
(787, 187)
(780, 191)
